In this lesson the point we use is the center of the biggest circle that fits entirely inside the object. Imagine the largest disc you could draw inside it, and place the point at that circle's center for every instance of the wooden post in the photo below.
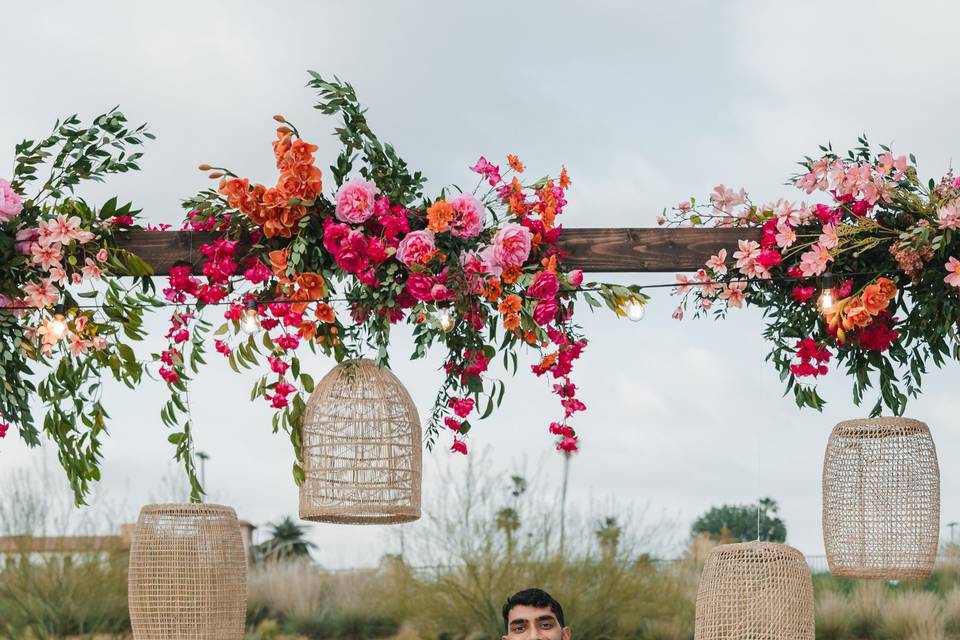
(614, 250)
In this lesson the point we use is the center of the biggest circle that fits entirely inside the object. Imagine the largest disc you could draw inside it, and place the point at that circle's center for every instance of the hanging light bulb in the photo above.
(250, 323)
(634, 309)
(57, 327)
(826, 300)
(446, 319)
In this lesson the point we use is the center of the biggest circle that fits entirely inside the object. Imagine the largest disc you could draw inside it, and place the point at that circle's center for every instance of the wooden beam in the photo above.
(599, 250)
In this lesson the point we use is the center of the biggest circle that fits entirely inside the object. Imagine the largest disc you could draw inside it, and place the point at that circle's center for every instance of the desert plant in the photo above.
(868, 600)
(833, 616)
(912, 615)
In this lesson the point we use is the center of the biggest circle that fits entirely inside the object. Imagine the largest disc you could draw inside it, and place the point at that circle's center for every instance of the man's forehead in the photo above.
(526, 612)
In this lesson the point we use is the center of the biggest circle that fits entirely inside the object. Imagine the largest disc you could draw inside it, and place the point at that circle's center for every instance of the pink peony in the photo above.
(545, 286)
(356, 201)
(420, 286)
(415, 247)
(468, 216)
(511, 246)
(545, 312)
(575, 277)
(10, 203)
(26, 236)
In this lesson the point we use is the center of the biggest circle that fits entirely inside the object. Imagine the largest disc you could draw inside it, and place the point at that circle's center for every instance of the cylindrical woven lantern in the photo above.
(188, 573)
(361, 448)
(755, 590)
(881, 499)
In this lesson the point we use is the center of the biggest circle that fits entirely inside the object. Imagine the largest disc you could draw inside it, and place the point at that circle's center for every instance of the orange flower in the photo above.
(515, 163)
(235, 189)
(278, 261)
(510, 274)
(873, 299)
(548, 361)
(887, 287)
(307, 330)
(250, 202)
(515, 186)
(510, 305)
(564, 178)
(325, 313)
(439, 216)
(856, 315)
(511, 322)
(550, 264)
(282, 144)
(310, 282)
(493, 290)
(301, 152)
(530, 336)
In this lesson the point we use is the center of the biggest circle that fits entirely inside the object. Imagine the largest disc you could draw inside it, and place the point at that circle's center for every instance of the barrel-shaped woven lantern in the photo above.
(755, 590)
(881, 499)
(361, 448)
(188, 573)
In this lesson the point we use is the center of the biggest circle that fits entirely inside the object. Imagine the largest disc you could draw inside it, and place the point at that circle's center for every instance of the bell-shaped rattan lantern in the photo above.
(881, 499)
(361, 448)
(755, 590)
(188, 573)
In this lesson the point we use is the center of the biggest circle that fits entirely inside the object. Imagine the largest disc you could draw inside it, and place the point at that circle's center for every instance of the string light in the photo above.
(57, 326)
(826, 300)
(635, 309)
(250, 323)
(446, 319)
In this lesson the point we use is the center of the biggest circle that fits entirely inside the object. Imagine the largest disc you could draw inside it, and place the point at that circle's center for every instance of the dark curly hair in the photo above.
(532, 598)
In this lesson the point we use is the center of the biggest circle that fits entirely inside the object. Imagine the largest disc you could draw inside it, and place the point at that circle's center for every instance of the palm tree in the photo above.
(508, 521)
(287, 542)
(608, 536)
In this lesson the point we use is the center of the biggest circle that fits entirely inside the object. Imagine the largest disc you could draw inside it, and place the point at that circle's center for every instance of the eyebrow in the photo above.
(540, 619)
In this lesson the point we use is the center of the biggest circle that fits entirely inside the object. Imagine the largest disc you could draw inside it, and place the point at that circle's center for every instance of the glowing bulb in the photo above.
(446, 319)
(634, 309)
(826, 300)
(57, 327)
(250, 323)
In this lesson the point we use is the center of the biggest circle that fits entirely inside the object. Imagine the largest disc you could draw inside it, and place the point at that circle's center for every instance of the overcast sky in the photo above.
(645, 103)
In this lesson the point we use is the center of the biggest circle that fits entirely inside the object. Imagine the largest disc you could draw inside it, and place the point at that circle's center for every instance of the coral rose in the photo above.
(873, 299)
(511, 246)
(355, 201)
(416, 247)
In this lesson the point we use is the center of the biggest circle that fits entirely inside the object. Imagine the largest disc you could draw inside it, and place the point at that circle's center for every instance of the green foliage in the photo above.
(740, 522)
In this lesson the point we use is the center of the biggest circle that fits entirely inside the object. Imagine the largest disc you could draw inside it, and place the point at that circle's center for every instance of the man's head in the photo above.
(532, 614)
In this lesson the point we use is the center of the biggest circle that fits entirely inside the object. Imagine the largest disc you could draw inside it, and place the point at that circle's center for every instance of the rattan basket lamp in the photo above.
(361, 440)
(188, 574)
(755, 590)
(881, 499)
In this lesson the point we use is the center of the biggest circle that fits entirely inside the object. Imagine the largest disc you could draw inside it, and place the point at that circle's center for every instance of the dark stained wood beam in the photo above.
(598, 250)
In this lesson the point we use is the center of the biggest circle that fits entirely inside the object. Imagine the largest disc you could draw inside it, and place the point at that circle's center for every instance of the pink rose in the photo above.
(468, 216)
(511, 246)
(489, 261)
(415, 247)
(439, 292)
(102, 255)
(356, 201)
(420, 285)
(545, 312)
(575, 277)
(545, 286)
(10, 203)
(25, 238)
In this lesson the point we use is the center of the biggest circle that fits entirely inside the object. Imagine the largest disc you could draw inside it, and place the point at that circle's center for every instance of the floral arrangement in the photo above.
(55, 253)
(296, 264)
(867, 275)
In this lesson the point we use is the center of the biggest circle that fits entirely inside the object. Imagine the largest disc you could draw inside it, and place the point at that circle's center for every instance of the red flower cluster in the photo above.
(813, 359)
(879, 334)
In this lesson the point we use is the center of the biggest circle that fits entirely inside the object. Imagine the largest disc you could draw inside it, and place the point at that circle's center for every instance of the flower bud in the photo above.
(215, 174)
(204, 167)
(279, 118)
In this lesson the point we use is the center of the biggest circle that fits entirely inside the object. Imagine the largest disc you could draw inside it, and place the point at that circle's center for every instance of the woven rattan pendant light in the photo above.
(755, 590)
(361, 448)
(881, 499)
(188, 574)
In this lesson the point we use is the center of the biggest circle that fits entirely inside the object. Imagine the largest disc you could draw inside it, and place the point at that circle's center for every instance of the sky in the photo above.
(645, 103)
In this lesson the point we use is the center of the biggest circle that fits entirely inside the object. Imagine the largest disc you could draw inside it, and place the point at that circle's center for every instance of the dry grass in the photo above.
(951, 611)
(913, 615)
(833, 616)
